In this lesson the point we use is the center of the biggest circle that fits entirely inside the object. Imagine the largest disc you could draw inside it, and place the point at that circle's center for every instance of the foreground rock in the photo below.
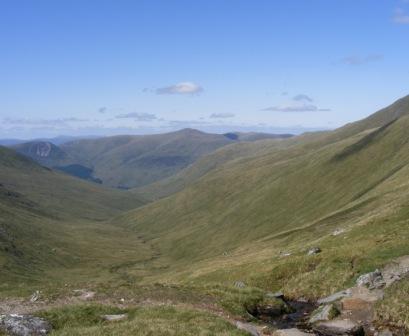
(116, 317)
(373, 280)
(313, 251)
(335, 297)
(290, 332)
(24, 325)
(324, 313)
(339, 328)
(252, 330)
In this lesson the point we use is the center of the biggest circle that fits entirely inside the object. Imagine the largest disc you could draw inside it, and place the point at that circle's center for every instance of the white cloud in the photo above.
(184, 88)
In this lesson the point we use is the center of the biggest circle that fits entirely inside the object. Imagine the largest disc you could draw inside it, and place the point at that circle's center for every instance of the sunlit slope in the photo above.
(277, 192)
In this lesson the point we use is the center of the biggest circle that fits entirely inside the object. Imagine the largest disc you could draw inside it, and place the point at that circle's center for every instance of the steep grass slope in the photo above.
(233, 222)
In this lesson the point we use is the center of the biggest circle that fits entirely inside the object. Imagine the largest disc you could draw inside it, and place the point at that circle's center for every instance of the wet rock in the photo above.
(290, 332)
(324, 313)
(373, 280)
(24, 325)
(335, 297)
(269, 307)
(116, 317)
(313, 251)
(339, 328)
(239, 284)
(252, 330)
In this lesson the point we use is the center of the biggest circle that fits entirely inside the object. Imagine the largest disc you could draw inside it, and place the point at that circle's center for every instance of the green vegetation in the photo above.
(247, 213)
(86, 320)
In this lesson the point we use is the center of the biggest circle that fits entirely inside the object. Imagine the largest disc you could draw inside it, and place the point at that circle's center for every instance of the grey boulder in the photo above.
(24, 325)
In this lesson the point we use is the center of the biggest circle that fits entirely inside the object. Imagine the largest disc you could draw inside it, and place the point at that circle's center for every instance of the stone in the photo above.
(291, 332)
(335, 297)
(313, 251)
(338, 232)
(324, 313)
(115, 317)
(372, 280)
(35, 297)
(277, 295)
(339, 328)
(252, 330)
(24, 325)
(239, 284)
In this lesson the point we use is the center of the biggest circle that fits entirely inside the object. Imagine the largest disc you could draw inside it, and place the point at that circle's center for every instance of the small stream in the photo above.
(298, 319)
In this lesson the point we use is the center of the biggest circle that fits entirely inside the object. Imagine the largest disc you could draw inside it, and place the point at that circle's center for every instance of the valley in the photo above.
(208, 242)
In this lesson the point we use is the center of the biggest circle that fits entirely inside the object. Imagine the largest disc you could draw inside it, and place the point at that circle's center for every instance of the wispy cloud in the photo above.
(184, 88)
(102, 109)
(299, 103)
(360, 60)
(221, 115)
(302, 97)
(296, 108)
(401, 17)
(137, 116)
(42, 122)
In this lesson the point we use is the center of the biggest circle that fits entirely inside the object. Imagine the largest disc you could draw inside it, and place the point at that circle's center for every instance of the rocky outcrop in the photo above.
(24, 325)
(335, 297)
(373, 280)
(324, 313)
(339, 328)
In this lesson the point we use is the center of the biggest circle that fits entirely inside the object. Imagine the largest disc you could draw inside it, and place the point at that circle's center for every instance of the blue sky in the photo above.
(110, 67)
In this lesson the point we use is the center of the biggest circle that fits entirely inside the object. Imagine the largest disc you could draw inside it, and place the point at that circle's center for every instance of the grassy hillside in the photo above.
(233, 222)
(49, 220)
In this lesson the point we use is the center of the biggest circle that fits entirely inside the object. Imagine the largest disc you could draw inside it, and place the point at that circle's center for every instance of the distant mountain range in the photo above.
(130, 160)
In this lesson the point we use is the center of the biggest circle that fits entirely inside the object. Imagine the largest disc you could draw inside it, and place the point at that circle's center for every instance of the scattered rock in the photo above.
(277, 295)
(313, 251)
(338, 232)
(239, 284)
(116, 317)
(284, 254)
(24, 325)
(252, 330)
(35, 297)
(290, 332)
(339, 328)
(324, 313)
(373, 280)
(335, 297)
(84, 294)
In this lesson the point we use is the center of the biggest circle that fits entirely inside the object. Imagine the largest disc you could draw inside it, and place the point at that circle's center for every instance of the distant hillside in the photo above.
(132, 161)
